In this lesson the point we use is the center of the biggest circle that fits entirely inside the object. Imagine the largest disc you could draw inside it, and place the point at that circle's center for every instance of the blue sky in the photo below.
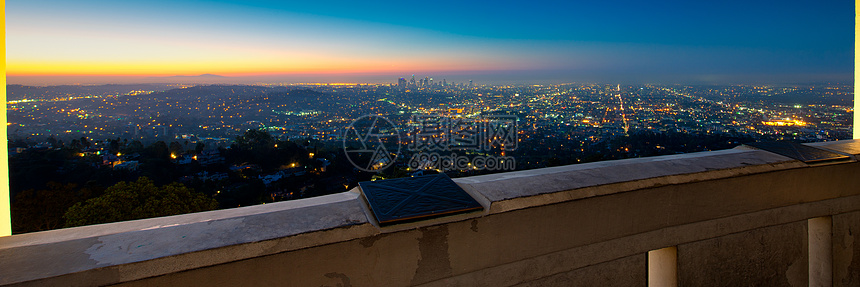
(493, 41)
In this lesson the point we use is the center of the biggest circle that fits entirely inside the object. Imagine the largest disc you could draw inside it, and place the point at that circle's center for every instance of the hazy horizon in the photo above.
(96, 42)
(496, 78)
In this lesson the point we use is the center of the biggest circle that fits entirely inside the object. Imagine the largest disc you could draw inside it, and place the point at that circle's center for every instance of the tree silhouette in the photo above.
(137, 200)
(175, 148)
(255, 140)
(85, 142)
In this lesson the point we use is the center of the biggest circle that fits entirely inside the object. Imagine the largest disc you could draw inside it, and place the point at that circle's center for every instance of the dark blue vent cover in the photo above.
(411, 198)
(799, 152)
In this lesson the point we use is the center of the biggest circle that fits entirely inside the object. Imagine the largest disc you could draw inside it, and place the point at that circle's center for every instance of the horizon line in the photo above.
(508, 77)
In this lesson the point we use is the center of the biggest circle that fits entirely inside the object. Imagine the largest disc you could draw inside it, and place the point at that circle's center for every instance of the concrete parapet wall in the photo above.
(737, 217)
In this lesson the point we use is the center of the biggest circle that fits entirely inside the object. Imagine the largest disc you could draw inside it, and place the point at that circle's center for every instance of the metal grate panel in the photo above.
(405, 199)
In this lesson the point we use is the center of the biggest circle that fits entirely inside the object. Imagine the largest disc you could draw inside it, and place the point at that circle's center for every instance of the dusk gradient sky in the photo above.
(61, 42)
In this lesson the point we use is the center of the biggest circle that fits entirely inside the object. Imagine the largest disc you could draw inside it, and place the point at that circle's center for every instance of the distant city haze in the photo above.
(540, 42)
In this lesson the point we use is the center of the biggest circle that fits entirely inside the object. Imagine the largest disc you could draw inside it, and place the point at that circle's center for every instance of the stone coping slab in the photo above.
(523, 189)
(52, 253)
(849, 147)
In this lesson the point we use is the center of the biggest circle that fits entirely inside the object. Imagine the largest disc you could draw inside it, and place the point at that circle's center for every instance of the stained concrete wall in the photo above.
(769, 256)
(737, 217)
(742, 231)
(846, 249)
(624, 272)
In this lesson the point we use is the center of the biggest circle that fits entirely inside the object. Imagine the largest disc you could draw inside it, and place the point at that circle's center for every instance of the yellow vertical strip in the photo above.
(856, 75)
(5, 200)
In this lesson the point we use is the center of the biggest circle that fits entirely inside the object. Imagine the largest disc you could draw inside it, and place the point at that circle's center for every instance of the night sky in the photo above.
(54, 42)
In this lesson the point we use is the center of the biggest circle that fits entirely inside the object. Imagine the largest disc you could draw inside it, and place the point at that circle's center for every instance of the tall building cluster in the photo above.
(428, 82)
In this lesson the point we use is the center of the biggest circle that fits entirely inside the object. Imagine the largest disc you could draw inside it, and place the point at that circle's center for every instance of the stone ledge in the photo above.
(125, 251)
(260, 230)
(847, 147)
(663, 215)
(528, 188)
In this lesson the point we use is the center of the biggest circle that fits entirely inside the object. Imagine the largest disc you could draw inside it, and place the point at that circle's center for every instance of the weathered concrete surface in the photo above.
(543, 243)
(580, 222)
(594, 219)
(622, 272)
(380, 260)
(769, 256)
(173, 244)
(60, 235)
(849, 147)
(578, 257)
(846, 249)
(522, 189)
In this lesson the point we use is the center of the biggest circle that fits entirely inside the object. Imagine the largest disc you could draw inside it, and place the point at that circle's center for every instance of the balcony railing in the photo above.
(733, 217)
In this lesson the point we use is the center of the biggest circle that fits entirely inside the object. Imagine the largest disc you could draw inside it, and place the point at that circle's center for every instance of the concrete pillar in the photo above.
(820, 251)
(663, 267)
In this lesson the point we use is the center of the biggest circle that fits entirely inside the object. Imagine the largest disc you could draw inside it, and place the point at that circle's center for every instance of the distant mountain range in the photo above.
(199, 79)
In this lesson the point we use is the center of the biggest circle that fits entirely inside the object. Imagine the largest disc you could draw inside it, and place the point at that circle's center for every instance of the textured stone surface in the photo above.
(583, 180)
(846, 249)
(770, 256)
(851, 147)
(380, 260)
(45, 257)
(629, 271)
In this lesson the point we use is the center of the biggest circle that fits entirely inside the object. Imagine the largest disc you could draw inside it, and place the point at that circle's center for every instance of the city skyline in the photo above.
(95, 42)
